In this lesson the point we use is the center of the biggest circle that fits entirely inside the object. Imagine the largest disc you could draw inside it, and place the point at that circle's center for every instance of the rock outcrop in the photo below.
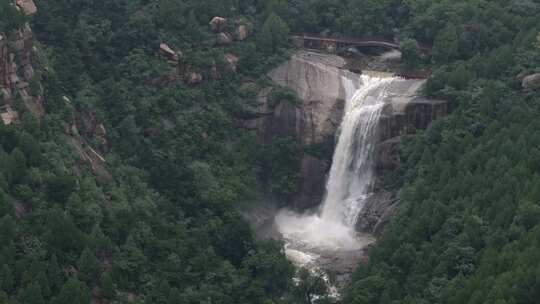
(232, 60)
(28, 7)
(319, 81)
(377, 212)
(531, 82)
(218, 24)
(17, 56)
(242, 32)
(168, 53)
(223, 39)
(405, 114)
(194, 78)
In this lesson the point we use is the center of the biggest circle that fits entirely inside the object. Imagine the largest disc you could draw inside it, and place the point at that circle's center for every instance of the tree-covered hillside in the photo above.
(468, 227)
(158, 222)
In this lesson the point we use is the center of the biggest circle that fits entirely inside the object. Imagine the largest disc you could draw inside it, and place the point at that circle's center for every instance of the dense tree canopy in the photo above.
(467, 227)
(160, 224)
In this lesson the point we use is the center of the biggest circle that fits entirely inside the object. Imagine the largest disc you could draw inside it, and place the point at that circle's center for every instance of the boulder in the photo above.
(167, 52)
(218, 24)
(232, 60)
(8, 115)
(223, 39)
(242, 32)
(531, 82)
(194, 78)
(28, 7)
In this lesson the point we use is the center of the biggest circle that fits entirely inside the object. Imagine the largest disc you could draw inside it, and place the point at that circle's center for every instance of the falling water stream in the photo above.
(329, 234)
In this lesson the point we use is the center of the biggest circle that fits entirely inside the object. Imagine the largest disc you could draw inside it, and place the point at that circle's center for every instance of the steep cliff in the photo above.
(17, 74)
(318, 80)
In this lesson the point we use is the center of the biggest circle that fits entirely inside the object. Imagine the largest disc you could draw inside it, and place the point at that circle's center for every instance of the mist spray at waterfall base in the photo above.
(328, 235)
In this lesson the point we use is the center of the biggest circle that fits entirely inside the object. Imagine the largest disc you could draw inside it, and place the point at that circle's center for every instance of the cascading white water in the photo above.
(351, 175)
(350, 180)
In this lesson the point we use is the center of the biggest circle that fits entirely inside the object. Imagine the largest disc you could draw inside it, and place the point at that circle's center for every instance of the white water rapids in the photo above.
(331, 229)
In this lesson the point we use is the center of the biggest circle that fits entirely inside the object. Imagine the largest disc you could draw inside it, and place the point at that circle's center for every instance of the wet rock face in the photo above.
(377, 212)
(313, 172)
(388, 154)
(417, 114)
(317, 80)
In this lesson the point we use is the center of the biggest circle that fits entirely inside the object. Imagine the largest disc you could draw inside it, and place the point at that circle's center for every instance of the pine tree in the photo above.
(192, 27)
(73, 291)
(273, 34)
(32, 294)
(55, 274)
(445, 47)
(3, 297)
(6, 279)
(88, 266)
(409, 50)
(5, 207)
(108, 290)
(7, 230)
(44, 284)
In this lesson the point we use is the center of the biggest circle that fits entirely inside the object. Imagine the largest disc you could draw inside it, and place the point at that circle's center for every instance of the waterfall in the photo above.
(350, 181)
(351, 176)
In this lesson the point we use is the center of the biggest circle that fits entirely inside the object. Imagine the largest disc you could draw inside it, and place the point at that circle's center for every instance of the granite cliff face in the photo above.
(17, 56)
(317, 79)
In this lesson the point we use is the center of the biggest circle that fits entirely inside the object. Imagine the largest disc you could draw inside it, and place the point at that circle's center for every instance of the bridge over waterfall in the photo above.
(332, 44)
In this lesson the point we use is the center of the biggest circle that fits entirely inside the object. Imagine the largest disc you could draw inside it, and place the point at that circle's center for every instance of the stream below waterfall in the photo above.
(326, 238)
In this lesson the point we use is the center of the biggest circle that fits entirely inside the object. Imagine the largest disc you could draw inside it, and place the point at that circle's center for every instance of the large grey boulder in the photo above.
(218, 24)
(531, 82)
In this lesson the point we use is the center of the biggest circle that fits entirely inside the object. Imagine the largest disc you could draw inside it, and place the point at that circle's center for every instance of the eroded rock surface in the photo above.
(318, 80)
(531, 82)
(378, 210)
(17, 54)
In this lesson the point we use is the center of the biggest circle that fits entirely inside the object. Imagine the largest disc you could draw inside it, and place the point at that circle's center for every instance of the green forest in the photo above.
(161, 222)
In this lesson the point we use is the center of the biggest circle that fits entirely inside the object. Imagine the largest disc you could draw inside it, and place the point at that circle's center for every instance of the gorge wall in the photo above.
(17, 73)
(317, 79)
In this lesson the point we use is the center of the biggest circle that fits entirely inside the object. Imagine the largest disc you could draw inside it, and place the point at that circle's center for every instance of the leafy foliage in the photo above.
(158, 223)
(467, 227)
